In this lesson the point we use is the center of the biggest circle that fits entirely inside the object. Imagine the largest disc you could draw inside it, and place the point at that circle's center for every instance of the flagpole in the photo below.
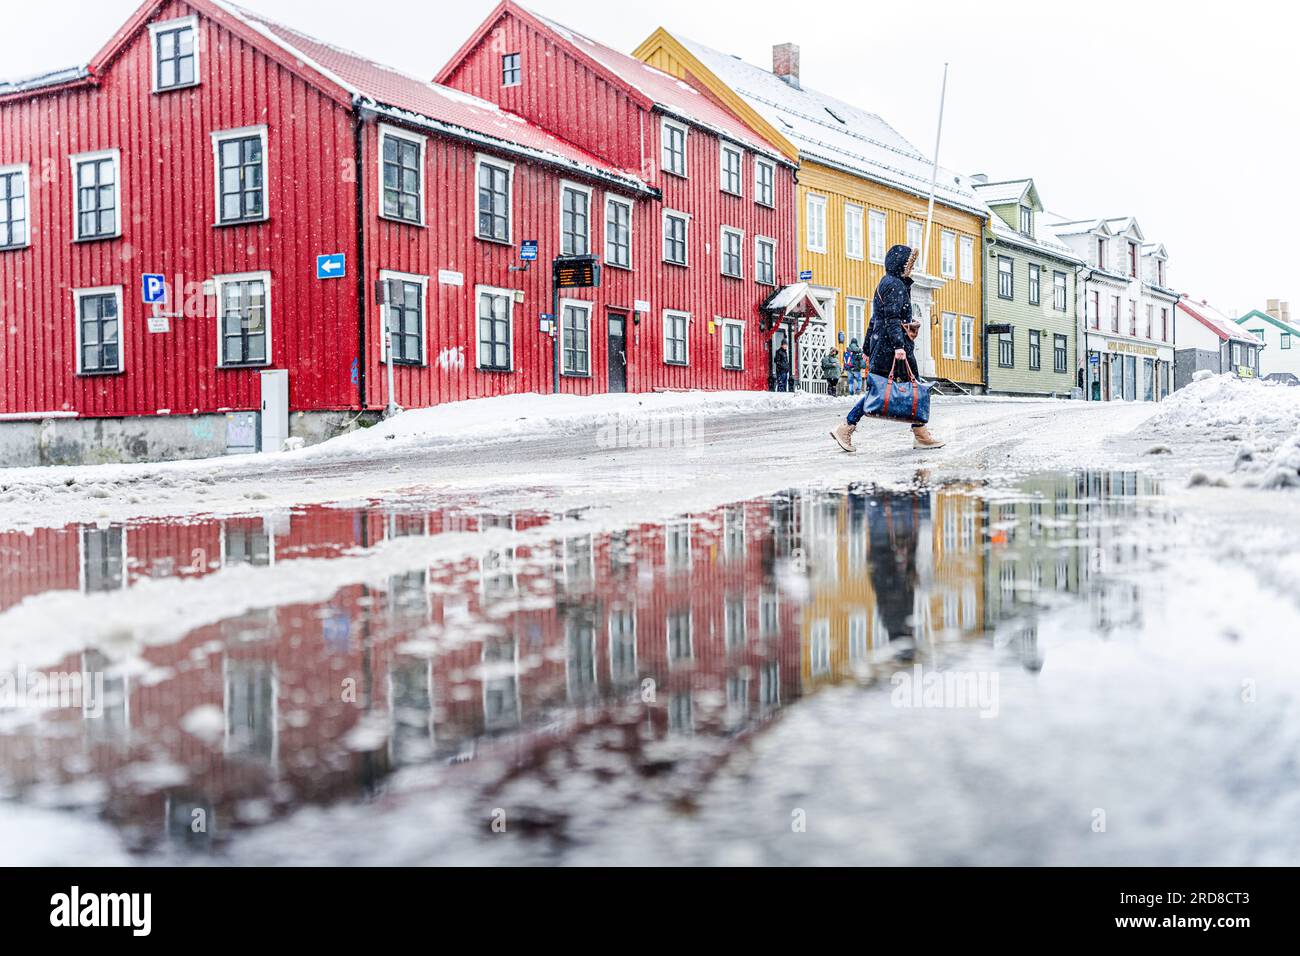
(934, 177)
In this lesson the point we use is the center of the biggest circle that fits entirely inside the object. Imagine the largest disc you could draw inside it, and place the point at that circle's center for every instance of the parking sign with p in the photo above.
(153, 288)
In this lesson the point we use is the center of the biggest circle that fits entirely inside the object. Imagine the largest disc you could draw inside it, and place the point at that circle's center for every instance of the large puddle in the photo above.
(653, 653)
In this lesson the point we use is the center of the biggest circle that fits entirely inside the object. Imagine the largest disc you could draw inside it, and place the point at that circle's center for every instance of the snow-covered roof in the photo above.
(415, 99)
(53, 78)
(999, 194)
(1076, 227)
(1044, 241)
(667, 92)
(842, 135)
(1216, 321)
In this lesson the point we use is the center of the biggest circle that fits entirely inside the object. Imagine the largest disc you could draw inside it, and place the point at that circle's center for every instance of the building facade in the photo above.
(1280, 357)
(1208, 340)
(1032, 287)
(1128, 309)
(277, 150)
(862, 188)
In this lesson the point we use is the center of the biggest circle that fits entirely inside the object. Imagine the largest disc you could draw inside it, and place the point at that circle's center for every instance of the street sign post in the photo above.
(805, 275)
(332, 266)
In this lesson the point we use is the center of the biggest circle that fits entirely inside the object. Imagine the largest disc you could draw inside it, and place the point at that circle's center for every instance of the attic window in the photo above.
(510, 72)
(175, 53)
(834, 115)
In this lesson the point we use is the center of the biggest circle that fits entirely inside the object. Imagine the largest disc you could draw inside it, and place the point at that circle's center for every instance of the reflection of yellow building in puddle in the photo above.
(926, 550)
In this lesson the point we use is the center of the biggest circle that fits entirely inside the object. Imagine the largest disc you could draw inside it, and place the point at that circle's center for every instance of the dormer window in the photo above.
(1133, 259)
(1101, 253)
(1026, 221)
(175, 53)
(1160, 273)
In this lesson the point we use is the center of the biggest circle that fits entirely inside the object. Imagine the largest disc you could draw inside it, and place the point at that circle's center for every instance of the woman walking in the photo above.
(891, 337)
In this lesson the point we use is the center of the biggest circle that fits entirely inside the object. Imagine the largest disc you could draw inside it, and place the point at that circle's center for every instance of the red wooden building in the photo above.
(227, 153)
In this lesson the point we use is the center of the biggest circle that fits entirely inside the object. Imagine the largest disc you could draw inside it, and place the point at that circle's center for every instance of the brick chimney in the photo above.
(785, 62)
(1279, 309)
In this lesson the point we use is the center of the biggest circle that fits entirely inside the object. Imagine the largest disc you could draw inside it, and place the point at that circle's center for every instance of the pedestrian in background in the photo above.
(781, 368)
(831, 371)
(853, 366)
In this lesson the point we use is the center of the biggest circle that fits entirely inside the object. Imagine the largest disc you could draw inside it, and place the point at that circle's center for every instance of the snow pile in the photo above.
(1278, 469)
(509, 417)
(1225, 402)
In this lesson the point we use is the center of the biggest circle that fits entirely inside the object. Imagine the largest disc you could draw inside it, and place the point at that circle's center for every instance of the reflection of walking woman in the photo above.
(894, 526)
(891, 337)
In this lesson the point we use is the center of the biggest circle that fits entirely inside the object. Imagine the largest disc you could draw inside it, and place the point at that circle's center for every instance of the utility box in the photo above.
(275, 409)
(242, 433)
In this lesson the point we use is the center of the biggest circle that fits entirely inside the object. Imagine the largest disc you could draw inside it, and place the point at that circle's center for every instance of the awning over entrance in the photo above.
(793, 302)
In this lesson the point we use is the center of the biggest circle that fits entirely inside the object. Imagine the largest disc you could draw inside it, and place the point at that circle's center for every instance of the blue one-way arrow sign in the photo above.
(332, 266)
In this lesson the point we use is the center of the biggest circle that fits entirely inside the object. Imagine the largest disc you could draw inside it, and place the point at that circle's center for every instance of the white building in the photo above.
(1281, 338)
(1209, 340)
(1127, 315)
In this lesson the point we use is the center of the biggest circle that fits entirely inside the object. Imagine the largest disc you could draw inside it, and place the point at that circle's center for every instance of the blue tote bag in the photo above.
(903, 401)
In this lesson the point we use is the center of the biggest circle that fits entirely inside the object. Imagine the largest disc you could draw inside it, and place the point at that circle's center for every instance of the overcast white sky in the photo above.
(1183, 114)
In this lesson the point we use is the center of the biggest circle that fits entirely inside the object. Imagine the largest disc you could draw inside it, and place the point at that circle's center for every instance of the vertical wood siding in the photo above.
(168, 210)
(857, 278)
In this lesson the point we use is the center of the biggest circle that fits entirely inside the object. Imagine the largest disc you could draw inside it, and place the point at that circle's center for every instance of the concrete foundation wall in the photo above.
(1187, 362)
(92, 441)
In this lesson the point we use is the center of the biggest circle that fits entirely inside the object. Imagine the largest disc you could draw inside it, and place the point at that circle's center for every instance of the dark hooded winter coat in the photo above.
(891, 308)
(853, 357)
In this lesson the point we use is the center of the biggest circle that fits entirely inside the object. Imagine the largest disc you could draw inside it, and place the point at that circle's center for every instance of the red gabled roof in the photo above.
(385, 86)
(1215, 321)
(645, 84)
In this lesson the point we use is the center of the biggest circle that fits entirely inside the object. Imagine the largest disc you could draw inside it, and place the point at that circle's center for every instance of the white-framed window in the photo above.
(575, 337)
(96, 195)
(674, 143)
(676, 344)
(816, 225)
(733, 252)
(676, 228)
(174, 52)
(401, 175)
(876, 229)
(764, 182)
(98, 315)
(575, 219)
(496, 313)
(765, 260)
(733, 344)
(243, 319)
(967, 261)
(240, 166)
(494, 198)
(949, 335)
(852, 230)
(1006, 278)
(948, 254)
(618, 232)
(15, 230)
(405, 314)
(1059, 292)
(733, 164)
(1027, 221)
(855, 320)
(967, 338)
(915, 235)
(1035, 283)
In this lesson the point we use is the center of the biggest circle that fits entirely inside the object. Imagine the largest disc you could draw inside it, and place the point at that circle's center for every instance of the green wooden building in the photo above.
(1031, 284)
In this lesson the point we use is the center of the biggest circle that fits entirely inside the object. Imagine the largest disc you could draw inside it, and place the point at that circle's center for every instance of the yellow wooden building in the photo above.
(862, 188)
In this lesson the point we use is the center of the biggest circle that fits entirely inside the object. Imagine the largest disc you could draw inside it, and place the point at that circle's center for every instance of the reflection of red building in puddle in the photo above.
(314, 702)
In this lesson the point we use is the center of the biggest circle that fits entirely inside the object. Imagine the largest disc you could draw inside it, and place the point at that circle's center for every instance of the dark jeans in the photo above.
(782, 381)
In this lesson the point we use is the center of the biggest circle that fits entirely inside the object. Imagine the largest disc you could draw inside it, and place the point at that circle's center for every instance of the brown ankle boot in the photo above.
(843, 434)
(921, 438)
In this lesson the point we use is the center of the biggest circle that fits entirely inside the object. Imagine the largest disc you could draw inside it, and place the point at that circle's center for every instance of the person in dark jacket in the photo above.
(781, 368)
(831, 371)
(890, 337)
(853, 360)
